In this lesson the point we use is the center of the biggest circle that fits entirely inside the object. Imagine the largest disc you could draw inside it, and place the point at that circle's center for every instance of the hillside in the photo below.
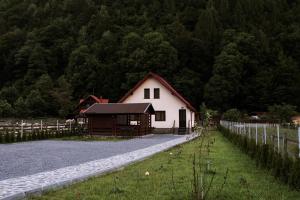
(227, 53)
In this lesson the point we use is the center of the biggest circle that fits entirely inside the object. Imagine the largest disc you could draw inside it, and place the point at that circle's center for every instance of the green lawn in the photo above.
(244, 180)
(90, 138)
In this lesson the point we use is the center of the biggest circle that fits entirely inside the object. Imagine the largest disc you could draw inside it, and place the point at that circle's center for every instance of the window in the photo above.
(156, 93)
(160, 115)
(146, 93)
(122, 119)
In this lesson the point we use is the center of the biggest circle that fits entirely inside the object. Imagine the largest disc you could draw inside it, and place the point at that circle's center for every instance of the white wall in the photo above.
(167, 102)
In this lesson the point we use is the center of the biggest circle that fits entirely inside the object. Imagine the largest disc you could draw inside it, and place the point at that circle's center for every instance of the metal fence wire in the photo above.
(283, 139)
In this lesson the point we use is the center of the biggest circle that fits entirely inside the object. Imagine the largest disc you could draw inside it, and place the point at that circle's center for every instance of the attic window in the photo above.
(146, 93)
(156, 93)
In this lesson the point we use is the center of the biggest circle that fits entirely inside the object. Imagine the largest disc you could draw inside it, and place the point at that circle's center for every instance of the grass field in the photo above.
(244, 180)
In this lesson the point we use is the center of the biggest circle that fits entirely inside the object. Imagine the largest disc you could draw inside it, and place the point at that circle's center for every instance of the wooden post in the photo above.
(265, 134)
(22, 128)
(272, 139)
(284, 142)
(256, 132)
(70, 125)
(57, 128)
(249, 133)
(278, 139)
(41, 125)
(299, 139)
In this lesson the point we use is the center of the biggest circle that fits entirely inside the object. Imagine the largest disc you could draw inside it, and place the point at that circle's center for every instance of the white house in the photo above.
(173, 113)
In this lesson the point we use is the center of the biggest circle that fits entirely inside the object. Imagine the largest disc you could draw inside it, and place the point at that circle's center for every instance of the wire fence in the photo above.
(284, 139)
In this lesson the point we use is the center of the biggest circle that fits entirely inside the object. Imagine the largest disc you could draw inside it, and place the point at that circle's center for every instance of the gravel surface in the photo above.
(22, 159)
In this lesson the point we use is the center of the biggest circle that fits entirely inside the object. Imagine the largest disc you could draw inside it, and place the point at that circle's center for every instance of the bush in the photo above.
(7, 137)
(33, 135)
(2, 138)
(12, 137)
(232, 115)
(24, 136)
(294, 176)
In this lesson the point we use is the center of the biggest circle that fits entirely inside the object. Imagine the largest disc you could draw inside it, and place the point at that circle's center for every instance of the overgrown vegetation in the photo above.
(282, 166)
(8, 136)
(228, 53)
(92, 138)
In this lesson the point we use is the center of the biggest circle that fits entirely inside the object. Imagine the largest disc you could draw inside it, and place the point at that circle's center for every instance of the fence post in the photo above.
(41, 125)
(299, 139)
(70, 125)
(278, 139)
(57, 125)
(22, 128)
(249, 133)
(284, 142)
(256, 133)
(265, 134)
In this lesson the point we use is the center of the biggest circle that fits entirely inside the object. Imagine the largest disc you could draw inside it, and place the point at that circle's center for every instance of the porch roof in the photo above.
(120, 108)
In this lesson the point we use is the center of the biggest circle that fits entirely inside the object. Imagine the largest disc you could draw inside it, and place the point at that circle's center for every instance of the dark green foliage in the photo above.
(294, 175)
(231, 54)
(7, 137)
(282, 113)
(232, 115)
(25, 137)
(264, 154)
(285, 168)
(277, 164)
(18, 139)
(34, 135)
(2, 139)
(281, 166)
(29, 136)
(12, 137)
(5, 109)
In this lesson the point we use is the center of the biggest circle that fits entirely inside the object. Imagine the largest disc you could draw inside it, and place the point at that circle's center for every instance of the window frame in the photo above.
(158, 90)
(146, 89)
(161, 118)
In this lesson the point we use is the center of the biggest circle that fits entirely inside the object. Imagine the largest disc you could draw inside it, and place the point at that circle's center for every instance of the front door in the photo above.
(182, 118)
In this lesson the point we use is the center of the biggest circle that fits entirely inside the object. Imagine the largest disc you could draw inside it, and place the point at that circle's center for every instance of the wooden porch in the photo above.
(120, 119)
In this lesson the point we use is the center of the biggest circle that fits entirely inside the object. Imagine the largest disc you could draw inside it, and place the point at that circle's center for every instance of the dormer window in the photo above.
(146, 93)
(156, 93)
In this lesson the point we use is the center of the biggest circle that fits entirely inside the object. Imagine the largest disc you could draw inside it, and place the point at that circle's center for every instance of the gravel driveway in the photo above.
(22, 159)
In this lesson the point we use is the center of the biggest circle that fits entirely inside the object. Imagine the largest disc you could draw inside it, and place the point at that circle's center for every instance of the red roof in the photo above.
(99, 99)
(164, 83)
(96, 99)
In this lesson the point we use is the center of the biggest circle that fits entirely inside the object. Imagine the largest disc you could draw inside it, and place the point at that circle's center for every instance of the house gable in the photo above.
(163, 83)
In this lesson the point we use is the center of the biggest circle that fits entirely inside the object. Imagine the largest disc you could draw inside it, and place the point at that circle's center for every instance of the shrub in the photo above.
(232, 115)
(7, 137)
(263, 159)
(18, 139)
(24, 137)
(33, 135)
(294, 176)
(12, 137)
(285, 168)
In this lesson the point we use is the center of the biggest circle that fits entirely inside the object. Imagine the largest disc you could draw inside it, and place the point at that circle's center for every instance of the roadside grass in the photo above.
(89, 138)
(244, 180)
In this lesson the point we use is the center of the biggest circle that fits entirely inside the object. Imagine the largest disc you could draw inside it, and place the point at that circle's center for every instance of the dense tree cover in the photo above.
(227, 53)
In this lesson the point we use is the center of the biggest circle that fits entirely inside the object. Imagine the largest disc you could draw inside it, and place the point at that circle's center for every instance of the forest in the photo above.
(242, 54)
